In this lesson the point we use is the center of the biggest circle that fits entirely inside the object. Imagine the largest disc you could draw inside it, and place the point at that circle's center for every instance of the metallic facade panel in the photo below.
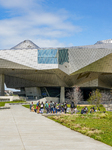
(74, 66)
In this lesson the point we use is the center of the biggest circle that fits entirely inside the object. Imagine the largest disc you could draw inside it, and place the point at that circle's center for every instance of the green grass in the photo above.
(28, 106)
(16, 101)
(79, 107)
(97, 125)
(2, 104)
(102, 109)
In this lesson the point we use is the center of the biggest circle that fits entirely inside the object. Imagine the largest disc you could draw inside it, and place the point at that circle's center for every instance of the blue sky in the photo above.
(55, 23)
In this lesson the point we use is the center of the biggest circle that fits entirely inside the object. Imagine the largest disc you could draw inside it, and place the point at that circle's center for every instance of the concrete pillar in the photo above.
(62, 95)
(1, 85)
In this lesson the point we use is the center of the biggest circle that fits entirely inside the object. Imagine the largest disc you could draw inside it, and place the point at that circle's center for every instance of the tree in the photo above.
(95, 98)
(107, 98)
(75, 95)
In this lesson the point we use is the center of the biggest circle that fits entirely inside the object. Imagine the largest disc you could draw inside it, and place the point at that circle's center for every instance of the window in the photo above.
(63, 56)
(53, 56)
(48, 56)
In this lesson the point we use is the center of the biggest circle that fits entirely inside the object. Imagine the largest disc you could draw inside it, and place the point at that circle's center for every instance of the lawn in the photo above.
(97, 125)
(16, 101)
(28, 106)
(102, 109)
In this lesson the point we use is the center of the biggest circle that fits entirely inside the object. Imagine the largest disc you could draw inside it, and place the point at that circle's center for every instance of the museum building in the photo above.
(41, 72)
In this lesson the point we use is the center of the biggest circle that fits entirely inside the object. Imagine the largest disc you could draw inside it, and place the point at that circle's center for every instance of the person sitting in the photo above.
(31, 105)
(91, 110)
(32, 109)
(82, 111)
(75, 110)
(85, 110)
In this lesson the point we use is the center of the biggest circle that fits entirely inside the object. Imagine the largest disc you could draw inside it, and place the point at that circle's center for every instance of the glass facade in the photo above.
(52, 91)
(53, 56)
(48, 56)
(63, 56)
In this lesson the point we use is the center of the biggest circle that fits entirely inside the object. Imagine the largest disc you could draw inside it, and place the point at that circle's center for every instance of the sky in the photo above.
(55, 23)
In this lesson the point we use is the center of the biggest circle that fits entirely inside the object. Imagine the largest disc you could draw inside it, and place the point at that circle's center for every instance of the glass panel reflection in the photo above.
(63, 56)
(53, 56)
(48, 56)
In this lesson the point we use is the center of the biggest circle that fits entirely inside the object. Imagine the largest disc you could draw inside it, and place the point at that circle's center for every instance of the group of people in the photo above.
(39, 107)
(92, 110)
(84, 110)
(49, 107)
(53, 107)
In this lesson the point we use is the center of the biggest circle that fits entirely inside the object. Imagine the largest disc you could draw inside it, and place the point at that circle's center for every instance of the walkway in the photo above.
(21, 129)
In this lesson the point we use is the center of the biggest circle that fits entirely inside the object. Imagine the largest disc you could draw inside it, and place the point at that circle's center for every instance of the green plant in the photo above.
(95, 98)
(16, 101)
(96, 125)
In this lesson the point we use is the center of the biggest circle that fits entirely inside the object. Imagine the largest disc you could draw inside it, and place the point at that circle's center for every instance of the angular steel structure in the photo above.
(44, 71)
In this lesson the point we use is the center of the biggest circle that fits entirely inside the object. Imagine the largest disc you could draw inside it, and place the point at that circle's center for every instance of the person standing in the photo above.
(47, 107)
(57, 108)
(65, 107)
(41, 108)
(60, 107)
(54, 108)
(38, 107)
(51, 107)
(72, 107)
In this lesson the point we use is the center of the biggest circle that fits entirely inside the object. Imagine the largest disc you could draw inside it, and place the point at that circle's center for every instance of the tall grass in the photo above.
(97, 125)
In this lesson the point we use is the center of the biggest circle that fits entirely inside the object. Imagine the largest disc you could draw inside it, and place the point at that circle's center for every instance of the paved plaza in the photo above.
(21, 129)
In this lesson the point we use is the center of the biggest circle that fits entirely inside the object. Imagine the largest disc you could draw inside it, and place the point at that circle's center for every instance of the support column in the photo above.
(62, 95)
(1, 85)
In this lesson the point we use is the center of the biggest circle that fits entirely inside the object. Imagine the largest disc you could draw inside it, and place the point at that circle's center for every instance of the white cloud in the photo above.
(39, 41)
(35, 23)
(48, 43)
(17, 3)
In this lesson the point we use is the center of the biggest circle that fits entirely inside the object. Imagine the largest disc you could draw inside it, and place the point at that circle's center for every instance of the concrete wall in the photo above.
(108, 107)
(9, 98)
(33, 91)
(1, 85)
(53, 99)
